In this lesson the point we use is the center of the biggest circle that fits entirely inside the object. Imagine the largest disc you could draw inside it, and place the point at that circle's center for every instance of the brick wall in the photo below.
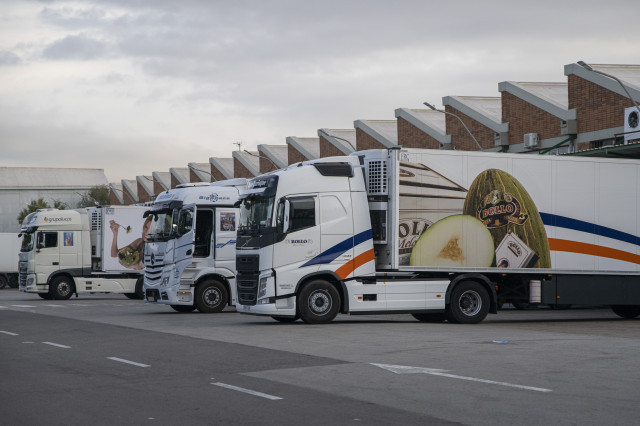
(193, 177)
(524, 117)
(217, 174)
(174, 181)
(113, 200)
(460, 138)
(143, 197)
(265, 164)
(127, 198)
(240, 171)
(598, 108)
(409, 136)
(327, 149)
(294, 156)
(157, 188)
(366, 141)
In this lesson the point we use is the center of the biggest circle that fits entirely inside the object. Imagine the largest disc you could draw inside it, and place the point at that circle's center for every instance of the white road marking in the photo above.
(249, 391)
(23, 306)
(58, 345)
(55, 306)
(9, 333)
(126, 361)
(402, 369)
(3, 307)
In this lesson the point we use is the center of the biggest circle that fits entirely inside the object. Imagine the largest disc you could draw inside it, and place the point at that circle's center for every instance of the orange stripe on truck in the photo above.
(345, 270)
(593, 250)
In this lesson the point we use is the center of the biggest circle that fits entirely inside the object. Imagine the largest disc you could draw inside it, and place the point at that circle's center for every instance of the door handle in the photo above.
(189, 252)
(55, 263)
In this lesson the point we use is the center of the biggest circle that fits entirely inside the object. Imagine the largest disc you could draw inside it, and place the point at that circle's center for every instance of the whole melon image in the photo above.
(506, 209)
(455, 241)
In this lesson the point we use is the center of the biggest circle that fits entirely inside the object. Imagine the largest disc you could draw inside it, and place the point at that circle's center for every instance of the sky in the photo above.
(137, 86)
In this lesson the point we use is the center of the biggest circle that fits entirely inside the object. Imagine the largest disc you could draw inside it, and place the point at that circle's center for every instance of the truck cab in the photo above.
(76, 251)
(190, 250)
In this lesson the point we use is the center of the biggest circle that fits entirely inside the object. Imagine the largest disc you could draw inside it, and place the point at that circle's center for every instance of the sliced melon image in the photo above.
(458, 241)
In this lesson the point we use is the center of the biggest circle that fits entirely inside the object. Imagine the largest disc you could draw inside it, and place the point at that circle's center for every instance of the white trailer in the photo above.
(190, 256)
(92, 250)
(9, 248)
(442, 235)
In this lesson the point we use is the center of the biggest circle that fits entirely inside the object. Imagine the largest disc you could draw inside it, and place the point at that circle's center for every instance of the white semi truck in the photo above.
(442, 235)
(92, 250)
(9, 248)
(190, 254)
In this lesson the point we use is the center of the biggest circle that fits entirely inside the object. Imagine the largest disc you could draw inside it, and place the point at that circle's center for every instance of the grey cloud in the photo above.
(75, 47)
(8, 58)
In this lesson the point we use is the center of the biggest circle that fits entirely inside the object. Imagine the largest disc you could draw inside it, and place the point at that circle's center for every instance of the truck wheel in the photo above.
(45, 296)
(139, 292)
(3, 281)
(469, 303)
(61, 288)
(626, 311)
(433, 317)
(211, 297)
(318, 302)
(183, 308)
(285, 319)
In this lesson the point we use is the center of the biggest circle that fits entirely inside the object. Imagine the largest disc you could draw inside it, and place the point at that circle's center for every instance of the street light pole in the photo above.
(459, 119)
(338, 137)
(588, 68)
(266, 158)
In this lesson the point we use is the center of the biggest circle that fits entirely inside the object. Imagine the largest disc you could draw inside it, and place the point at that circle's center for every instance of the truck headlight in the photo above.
(262, 285)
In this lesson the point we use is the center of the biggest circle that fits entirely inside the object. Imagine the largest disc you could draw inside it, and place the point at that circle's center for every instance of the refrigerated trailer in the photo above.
(92, 250)
(442, 235)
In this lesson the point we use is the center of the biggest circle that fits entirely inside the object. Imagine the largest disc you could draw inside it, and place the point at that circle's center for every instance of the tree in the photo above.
(40, 203)
(96, 196)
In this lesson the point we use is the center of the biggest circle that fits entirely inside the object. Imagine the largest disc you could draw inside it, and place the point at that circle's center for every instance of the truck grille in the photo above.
(22, 274)
(153, 270)
(248, 263)
(247, 288)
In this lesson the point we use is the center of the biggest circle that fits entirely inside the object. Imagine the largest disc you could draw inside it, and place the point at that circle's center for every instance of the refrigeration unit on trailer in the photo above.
(190, 256)
(92, 250)
(442, 235)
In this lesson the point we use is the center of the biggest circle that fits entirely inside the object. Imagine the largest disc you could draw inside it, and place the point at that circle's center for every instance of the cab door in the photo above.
(225, 237)
(298, 247)
(47, 255)
(184, 231)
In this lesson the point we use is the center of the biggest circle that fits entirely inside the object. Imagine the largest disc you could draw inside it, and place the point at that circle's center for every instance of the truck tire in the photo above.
(139, 292)
(469, 303)
(430, 317)
(61, 288)
(183, 308)
(4, 281)
(211, 297)
(318, 302)
(626, 311)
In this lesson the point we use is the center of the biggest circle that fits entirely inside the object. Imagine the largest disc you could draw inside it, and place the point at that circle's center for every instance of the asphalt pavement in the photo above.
(105, 359)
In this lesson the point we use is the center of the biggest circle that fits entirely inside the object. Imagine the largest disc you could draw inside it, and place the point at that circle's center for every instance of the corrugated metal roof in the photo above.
(39, 177)
(309, 147)
(384, 131)
(223, 165)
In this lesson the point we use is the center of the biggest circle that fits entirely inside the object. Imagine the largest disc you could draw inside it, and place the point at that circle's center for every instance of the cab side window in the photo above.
(302, 213)
(204, 228)
(47, 239)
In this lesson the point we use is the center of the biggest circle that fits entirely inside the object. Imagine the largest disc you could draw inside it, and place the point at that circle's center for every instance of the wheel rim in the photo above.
(470, 303)
(320, 302)
(211, 297)
(64, 288)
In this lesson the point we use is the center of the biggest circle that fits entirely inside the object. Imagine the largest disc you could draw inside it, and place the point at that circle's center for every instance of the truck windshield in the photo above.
(162, 225)
(255, 213)
(28, 239)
